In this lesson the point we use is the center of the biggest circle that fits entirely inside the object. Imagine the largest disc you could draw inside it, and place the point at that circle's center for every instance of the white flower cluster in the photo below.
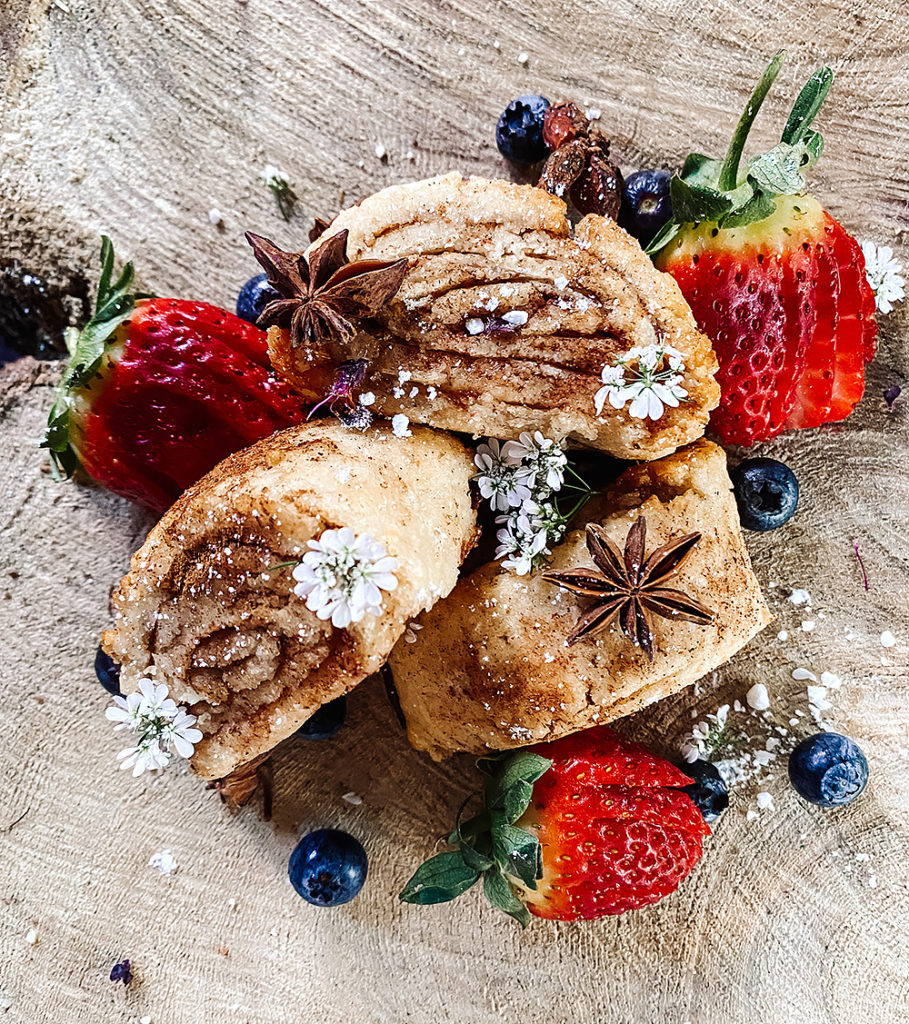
(160, 725)
(520, 478)
(884, 274)
(343, 575)
(706, 736)
(655, 382)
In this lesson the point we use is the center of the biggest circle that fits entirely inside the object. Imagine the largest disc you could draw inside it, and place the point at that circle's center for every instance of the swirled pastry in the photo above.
(506, 319)
(232, 640)
(510, 678)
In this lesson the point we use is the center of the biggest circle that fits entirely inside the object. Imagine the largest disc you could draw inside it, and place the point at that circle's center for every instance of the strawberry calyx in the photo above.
(720, 192)
(114, 303)
(489, 845)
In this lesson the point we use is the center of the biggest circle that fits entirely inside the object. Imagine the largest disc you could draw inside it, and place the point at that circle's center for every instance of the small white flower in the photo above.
(273, 176)
(497, 480)
(159, 723)
(543, 461)
(521, 542)
(400, 426)
(655, 383)
(884, 273)
(343, 575)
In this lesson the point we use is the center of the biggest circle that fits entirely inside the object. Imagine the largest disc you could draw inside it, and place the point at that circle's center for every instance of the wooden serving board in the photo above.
(138, 117)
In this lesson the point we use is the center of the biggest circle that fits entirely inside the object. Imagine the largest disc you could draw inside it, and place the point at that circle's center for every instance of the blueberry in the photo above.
(108, 672)
(766, 492)
(708, 790)
(254, 296)
(646, 205)
(828, 769)
(328, 867)
(519, 132)
(326, 721)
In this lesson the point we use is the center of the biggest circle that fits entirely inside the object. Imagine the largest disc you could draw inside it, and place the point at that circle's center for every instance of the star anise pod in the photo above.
(579, 163)
(630, 588)
(322, 296)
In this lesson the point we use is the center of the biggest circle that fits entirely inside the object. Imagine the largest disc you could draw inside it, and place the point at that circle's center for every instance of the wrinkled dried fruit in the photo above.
(563, 123)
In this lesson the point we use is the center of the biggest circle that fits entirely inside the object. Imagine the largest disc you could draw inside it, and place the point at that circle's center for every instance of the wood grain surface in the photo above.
(138, 117)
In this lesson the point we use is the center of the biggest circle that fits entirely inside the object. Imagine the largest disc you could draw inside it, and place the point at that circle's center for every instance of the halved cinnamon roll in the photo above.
(527, 659)
(367, 530)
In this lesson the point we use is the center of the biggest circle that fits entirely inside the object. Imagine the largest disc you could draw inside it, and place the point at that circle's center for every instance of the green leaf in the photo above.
(440, 879)
(475, 858)
(511, 790)
(694, 203)
(757, 208)
(663, 237)
(779, 171)
(519, 853)
(701, 170)
(807, 105)
(812, 144)
(502, 897)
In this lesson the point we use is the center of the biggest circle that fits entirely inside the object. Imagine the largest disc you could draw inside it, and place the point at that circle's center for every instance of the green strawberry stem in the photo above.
(114, 303)
(489, 845)
(729, 173)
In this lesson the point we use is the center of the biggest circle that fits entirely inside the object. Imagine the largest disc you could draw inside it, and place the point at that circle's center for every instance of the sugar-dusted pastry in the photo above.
(504, 320)
(529, 658)
(381, 524)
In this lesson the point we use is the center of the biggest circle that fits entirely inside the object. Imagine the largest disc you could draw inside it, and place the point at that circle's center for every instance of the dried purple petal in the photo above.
(121, 972)
(341, 399)
(891, 395)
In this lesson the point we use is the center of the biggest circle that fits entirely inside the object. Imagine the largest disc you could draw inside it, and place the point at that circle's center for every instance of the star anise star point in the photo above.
(321, 296)
(630, 587)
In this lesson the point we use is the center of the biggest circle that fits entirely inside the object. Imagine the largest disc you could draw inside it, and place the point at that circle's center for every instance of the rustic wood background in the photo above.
(137, 117)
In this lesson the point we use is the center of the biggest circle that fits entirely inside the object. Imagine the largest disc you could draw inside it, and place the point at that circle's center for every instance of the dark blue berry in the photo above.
(328, 867)
(254, 296)
(646, 205)
(708, 790)
(766, 492)
(828, 769)
(519, 132)
(326, 721)
(107, 671)
(121, 972)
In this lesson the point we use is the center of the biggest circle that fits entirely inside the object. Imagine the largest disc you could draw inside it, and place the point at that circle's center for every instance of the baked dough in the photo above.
(235, 643)
(479, 250)
(490, 668)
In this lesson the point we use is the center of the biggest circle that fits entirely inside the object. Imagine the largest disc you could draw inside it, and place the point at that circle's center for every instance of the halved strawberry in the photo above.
(775, 282)
(158, 391)
(589, 825)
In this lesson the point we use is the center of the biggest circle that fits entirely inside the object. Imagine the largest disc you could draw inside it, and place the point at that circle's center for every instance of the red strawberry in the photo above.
(774, 281)
(589, 825)
(158, 391)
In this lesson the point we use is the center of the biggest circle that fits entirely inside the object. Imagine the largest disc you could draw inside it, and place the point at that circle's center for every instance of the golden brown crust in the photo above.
(479, 249)
(234, 642)
(509, 679)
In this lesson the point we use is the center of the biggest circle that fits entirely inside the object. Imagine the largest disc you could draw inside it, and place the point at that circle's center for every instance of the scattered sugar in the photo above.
(400, 426)
(523, 57)
(31, 937)
(758, 698)
(888, 639)
(765, 801)
(474, 325)
(216, 217)
(367, 398)
(515, 317)
(800, 597)
(163, 862)
(380, 151)
(782, 635)
(807, 625)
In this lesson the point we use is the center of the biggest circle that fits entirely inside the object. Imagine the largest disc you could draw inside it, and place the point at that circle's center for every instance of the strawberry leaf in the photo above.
(694, 203)
(779, 171)
(519, 853)
(757, 208)
(440, 879)
(114, 303)
(502, 897)
(512, 788)
(807, 105)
